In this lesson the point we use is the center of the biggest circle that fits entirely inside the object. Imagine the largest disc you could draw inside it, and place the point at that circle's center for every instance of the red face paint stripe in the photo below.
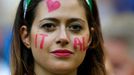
(42, 41)
(77, 43)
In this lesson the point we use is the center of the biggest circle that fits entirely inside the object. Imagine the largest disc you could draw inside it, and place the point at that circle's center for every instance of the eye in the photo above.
(75, 28)
(49, 27)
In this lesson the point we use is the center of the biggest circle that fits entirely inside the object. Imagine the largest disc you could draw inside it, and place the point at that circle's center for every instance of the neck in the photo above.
(39, 70)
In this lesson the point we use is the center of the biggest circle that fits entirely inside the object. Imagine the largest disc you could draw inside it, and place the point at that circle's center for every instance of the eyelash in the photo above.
(75, 28)
(49, 27)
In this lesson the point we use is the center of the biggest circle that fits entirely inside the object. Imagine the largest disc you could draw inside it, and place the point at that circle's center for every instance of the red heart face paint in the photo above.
(79, 43)
(53, 5)
(42, 36)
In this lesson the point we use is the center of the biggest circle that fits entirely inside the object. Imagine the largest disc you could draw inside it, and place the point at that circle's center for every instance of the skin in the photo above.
(79, 43)
(61, 29)
(52, 5)
(42, 42)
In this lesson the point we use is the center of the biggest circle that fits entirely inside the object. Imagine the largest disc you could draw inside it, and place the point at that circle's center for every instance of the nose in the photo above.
(62, 38)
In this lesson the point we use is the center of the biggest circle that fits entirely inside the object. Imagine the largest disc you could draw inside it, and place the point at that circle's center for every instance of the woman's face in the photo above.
(59, 36)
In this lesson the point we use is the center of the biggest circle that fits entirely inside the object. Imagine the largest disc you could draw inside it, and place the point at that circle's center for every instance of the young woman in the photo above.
(57, 37)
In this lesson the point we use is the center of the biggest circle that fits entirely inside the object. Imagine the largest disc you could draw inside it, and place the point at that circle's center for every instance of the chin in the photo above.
(63, 68)
(63, 71)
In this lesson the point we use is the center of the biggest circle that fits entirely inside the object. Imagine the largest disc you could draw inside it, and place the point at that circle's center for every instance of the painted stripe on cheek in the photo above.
(42, 42)
(77, 43)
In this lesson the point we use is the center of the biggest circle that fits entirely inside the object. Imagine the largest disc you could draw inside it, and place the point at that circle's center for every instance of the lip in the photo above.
(62, 53)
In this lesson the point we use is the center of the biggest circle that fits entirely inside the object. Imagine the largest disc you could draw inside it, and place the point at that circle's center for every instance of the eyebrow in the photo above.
(52, 19)
(76, 19)
(69, 20)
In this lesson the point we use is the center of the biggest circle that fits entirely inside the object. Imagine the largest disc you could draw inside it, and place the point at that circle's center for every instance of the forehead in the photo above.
(60, 8)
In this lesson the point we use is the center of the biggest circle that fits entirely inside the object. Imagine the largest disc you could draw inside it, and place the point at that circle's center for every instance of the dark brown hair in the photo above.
(22, 61)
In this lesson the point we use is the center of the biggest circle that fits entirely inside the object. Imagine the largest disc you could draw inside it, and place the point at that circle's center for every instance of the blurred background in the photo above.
(117, 20)
(7, 15)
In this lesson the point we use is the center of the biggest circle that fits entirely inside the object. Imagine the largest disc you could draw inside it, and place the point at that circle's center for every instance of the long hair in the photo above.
(93, 63)
(22, 61)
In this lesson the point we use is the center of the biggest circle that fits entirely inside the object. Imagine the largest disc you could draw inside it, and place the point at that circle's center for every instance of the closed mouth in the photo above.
(62, 53)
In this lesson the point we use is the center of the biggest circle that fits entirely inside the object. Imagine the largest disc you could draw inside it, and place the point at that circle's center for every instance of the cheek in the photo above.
(77, 43)
(39, 40)
(80, 43)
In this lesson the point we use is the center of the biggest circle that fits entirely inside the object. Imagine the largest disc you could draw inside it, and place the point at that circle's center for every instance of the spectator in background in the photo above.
(119, 43)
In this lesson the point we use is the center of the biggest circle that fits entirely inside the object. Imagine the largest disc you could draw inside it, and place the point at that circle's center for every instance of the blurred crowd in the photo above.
(117, 19)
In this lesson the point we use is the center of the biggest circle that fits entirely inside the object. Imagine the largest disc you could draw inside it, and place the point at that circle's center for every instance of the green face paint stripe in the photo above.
(89, 2)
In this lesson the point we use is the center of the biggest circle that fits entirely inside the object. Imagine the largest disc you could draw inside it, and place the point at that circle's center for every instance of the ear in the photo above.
(25, 37)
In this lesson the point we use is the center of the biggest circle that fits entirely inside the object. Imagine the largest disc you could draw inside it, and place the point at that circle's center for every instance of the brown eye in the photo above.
(48, 27)
(75, 28)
